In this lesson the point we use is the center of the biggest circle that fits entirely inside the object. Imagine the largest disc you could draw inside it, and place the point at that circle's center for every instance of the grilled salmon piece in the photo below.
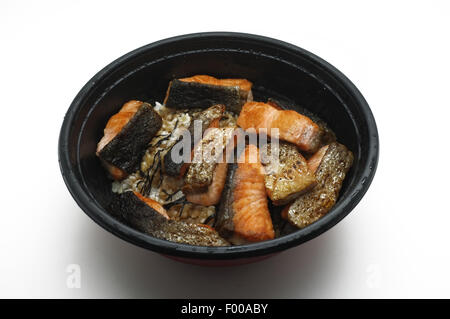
(202, 91)
(153, 204)
(330, 175)
(251, 212)
(243, 214)
(126, 137)
(214, 191)
(287, 173)
(293, 127)
(328, 136)
(206, 156)
(117, 122)
(136, 213)
(243, 84)
(206, 179)
(193, 169)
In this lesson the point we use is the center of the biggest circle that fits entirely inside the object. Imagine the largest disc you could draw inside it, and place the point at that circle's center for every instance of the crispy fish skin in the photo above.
(126, 149)
(207, 117)
(187, 95)
(288, 177)
(153, 204)
(200, 173)
(169, 166)
(211, 196)
(117, 122)
(137, 214)
(330, 175)
(224, 218)
(199, 176)
(114, 126)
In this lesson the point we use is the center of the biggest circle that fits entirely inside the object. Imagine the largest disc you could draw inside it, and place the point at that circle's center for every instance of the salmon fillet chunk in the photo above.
(292, 126)
(251, 218)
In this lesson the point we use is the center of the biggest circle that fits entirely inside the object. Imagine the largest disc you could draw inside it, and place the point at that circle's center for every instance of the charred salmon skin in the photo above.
(224, 219)
(153, 204)
(202, 91)
(136, 213)
(244, 213)
(330, 174)
(287, 173)
(293, 127)
(207, 118)
(126, 137)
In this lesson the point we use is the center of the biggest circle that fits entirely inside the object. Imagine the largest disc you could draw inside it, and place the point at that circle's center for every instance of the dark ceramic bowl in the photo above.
(276, 68)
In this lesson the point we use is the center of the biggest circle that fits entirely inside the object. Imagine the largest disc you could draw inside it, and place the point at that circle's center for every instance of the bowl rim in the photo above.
(93, 209)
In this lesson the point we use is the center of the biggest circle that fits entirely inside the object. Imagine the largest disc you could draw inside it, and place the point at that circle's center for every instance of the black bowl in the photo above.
(276, 68)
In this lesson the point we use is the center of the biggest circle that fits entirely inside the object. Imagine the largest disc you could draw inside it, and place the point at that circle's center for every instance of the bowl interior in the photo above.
(276, 69)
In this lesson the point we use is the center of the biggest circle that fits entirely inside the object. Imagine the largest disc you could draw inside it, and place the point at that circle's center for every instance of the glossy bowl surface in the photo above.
(276, 68)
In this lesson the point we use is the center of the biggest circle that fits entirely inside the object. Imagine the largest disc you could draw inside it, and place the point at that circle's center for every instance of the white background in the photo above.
(394, 244)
